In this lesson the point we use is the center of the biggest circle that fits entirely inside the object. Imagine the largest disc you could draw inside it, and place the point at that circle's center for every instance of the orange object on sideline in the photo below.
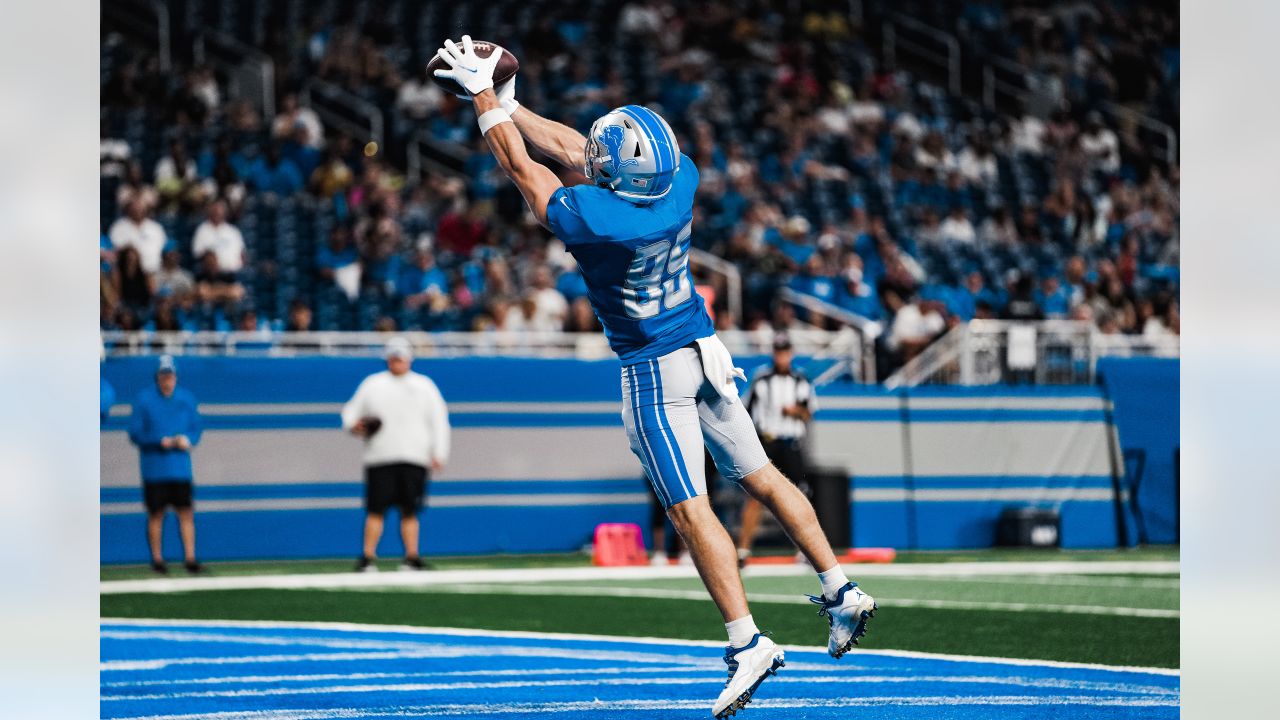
(619, 544)
(868, 555)
(855, 555)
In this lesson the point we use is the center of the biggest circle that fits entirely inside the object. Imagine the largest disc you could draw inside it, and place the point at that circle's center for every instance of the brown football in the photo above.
(507, 68)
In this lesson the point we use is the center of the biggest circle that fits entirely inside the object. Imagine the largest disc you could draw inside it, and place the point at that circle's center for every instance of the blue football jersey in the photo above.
(635, 260)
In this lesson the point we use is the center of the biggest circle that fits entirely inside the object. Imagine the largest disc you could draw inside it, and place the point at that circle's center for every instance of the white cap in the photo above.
(398, 347)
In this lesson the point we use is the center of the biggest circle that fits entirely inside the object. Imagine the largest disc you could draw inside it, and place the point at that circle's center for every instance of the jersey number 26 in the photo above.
(657, 278)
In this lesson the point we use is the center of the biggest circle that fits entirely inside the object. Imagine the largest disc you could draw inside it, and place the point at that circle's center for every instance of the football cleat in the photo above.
(847, 615)
(749, 666)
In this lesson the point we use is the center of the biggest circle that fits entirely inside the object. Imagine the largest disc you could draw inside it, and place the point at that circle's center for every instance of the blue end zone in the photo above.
(208, 671)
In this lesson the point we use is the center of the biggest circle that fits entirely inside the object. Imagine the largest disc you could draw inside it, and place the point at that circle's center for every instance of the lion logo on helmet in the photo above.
(611, 137)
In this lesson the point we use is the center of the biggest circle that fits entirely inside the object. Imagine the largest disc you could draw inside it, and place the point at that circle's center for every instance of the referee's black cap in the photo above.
(781, 341)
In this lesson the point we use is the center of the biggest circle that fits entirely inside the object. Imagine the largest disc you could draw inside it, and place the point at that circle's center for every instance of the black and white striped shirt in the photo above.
(771, 391)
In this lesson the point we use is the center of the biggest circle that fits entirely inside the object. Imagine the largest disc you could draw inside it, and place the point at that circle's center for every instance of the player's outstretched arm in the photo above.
(555, 140)
(475, 74)
(535, 180)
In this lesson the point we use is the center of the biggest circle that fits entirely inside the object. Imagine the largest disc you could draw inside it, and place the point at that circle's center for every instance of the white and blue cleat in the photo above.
(749, 666)
(847, 615)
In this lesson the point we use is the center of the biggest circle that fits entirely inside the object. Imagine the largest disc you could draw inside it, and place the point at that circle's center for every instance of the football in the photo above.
(506, 69)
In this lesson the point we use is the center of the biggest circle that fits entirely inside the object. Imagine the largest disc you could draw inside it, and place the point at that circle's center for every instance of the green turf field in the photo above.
(1118, 619)
(277, 567)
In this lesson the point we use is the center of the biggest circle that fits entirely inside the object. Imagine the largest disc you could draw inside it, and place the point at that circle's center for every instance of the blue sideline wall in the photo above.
(1145, 395)
(539, 459)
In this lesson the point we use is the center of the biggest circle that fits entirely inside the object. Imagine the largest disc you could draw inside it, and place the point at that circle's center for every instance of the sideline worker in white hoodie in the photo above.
(405, 425)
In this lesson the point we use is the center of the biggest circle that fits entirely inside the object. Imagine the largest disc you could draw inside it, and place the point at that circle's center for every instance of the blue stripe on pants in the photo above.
(665, 427)
(665, 465)
(663, 494)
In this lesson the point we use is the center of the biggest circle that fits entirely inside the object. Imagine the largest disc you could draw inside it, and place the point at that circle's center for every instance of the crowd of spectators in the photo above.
(1085, 53)
(823, 171)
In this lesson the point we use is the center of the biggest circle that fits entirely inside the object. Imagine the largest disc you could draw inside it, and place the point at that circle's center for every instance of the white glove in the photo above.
(472, 72)
(507, 96)
(506, 93)
(717, 365)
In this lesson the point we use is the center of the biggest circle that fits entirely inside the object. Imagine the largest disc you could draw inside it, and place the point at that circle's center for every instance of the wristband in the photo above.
(492, 117)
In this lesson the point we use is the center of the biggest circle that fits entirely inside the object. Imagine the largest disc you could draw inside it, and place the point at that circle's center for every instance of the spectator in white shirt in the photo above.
(957, 228)
(932, 154)
(176, 178)
(291, 115)
(404, 422)
(220, 237)
(977, 163)
(140, 232)
(912, 328)
(550, 307)
(928, 232)
(998, 228)
(1100, 144)
(1027, 135)
(419, 96)
(113, 153)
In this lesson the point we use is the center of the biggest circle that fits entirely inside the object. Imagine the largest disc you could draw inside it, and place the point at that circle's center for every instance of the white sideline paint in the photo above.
(467, 632)
(641, 681)
(885, 601)
(604, 574)
(616, 705)
(522, 672)
(714, 671)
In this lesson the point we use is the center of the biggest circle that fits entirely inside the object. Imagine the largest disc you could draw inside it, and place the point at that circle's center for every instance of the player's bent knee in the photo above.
(688, 513)
(763, 483)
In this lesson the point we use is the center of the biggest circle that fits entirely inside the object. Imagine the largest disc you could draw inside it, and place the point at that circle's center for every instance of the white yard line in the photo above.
(784, 679)
(691, 675)
(645, 572)
(467, 632)
(613, 706)
(885, 601)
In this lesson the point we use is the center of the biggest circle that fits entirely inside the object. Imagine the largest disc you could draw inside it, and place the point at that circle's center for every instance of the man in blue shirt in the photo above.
(629, 228)
(165, 426)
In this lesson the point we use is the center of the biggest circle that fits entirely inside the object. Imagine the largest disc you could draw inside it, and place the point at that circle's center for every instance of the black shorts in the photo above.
(788, 458)
(164, 493)
(399, 485)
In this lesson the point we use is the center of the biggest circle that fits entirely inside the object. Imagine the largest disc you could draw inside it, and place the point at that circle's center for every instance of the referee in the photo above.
(781, 403)
(405, 425)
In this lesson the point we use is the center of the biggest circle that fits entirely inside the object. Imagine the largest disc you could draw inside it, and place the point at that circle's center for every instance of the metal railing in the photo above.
(857, 340)
(732, 278)
(144, 20)
(340, 108)
(426, 152)
(1066, 352)
(1003, 83)
(1004, 80)
(1151, 124)
(251, 73)
(945, 52)
(820, 344)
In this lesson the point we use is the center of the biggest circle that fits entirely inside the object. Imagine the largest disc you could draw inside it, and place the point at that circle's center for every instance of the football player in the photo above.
(629, 230)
